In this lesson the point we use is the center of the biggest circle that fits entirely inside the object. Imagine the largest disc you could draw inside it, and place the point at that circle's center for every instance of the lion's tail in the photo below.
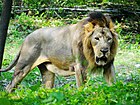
(14, 62)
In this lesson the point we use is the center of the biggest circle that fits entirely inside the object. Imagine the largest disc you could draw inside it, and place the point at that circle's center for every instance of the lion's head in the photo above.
(99, 40)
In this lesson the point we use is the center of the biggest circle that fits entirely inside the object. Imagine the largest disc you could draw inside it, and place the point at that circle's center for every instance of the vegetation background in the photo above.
(29, 15)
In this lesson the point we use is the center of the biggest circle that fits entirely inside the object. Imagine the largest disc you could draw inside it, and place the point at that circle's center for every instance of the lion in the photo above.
(76, 49)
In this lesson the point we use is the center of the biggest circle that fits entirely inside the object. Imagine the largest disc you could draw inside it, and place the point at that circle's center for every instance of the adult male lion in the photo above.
(89, 44)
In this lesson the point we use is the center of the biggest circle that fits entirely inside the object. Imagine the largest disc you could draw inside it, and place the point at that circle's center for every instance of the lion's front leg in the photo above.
(109, 73)
(80, 75)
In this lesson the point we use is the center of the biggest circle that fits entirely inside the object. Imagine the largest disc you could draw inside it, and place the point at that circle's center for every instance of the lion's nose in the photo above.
(104, 50)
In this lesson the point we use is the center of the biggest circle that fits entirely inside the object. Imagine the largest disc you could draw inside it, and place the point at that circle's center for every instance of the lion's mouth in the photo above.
(101, 61)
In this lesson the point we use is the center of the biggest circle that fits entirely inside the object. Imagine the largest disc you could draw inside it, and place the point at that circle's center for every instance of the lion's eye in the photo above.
(109, 39)
(96, 38)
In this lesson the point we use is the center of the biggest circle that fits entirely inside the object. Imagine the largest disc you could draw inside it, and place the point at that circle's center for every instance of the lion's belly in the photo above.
(61, 64)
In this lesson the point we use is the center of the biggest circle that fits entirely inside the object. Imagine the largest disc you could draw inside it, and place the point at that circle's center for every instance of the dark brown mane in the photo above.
(97, 18)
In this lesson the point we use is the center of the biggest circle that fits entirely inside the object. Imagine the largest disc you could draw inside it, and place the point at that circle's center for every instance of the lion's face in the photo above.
(101, 41)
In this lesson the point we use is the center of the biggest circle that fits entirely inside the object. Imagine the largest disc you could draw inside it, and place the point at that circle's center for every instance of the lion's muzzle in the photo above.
(101, 61)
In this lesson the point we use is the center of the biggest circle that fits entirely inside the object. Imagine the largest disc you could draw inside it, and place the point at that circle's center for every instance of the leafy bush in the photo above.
(119, 94)
(37, 4)
(54, 3)
(24, 24)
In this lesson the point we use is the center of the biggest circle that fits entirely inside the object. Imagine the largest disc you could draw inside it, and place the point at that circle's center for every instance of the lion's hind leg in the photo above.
(48, 77)
(17, 78)
(23, 66)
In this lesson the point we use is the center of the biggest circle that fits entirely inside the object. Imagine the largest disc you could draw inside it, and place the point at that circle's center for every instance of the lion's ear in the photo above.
(111, 25)
(88, 28)
(112, 29)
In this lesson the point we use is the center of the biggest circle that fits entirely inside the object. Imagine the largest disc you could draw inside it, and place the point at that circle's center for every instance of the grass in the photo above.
(125, 92)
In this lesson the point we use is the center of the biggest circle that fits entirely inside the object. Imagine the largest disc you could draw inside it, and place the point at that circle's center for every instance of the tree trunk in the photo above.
(4, 22)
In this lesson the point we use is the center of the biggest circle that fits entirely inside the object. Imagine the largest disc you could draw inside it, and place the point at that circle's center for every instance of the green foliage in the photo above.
(24, 24)
(135, 2)
(119, 94)
(127, 34)
(36, 4)
(53, 3)
(0, 7)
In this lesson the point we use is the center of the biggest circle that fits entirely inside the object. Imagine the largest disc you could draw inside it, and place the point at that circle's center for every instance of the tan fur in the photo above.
(68, 50)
